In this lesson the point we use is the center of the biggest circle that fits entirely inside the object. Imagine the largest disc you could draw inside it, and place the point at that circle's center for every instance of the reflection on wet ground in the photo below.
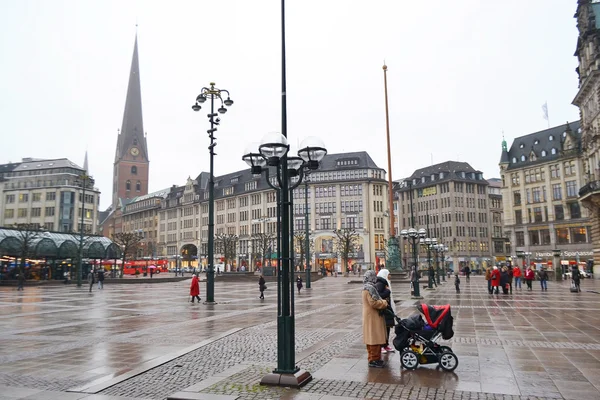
(544, 344)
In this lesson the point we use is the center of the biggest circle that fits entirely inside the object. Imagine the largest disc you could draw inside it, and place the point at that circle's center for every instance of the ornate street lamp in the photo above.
(413, 236)
(213, 94)
(290, 171)
(429, 244)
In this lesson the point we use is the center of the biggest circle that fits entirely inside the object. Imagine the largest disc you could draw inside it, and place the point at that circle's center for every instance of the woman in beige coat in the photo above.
(374, 332)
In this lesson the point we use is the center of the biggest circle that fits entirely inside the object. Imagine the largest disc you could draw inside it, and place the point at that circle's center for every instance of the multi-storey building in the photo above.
(588, 101)
(500, 243)
(347, 191)
(48, 194)
(140, 215)
(541, 175)
(451, 201)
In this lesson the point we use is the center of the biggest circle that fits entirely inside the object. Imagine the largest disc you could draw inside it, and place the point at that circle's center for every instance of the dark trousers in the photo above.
(91, 285)
(528, 282)
(457, 288)
(262, 294)
(196, 297)
(490, 286)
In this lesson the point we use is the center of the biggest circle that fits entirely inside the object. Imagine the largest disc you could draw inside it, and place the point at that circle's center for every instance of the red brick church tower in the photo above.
(131, 165)
(130, 176)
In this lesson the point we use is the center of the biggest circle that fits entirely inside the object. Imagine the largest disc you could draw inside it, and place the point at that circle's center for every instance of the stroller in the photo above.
(416, 341)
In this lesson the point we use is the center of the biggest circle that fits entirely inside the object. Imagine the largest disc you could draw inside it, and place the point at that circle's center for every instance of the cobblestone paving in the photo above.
(529, 345)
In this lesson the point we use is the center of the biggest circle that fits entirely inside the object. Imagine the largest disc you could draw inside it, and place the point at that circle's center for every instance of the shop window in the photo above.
(579, 235)
(545, 236)
(563, 236)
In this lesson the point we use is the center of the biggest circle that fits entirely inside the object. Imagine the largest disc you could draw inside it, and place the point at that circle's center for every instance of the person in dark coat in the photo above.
(299, 283)
(510, 277)
(544, 279)
(385, 293)
(576, 276)
(457, 283)
(262, 286)
(195, 289)
(21, 281)
(101, 279)
(504, 280)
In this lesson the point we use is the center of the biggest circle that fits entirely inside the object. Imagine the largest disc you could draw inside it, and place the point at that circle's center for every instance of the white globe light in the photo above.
(273, 145)
(312, 149)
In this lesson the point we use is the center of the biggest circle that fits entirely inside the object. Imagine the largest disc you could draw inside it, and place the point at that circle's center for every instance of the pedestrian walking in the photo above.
(576, 276)
(299, 283)
(384, 288)
(488, 278)
(151, 272)
(504, 280)
(101, 279)
(529, 276)
(544, 279)
(373, 323)
(510, 278)
(517, 275)
(90, 279)
(21, 281)
(468, 273)
(495, 280)
(262, 285)
(195, 289)
(457, 283)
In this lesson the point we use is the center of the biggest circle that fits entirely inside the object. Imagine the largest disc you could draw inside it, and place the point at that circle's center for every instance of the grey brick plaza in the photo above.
(145, 341)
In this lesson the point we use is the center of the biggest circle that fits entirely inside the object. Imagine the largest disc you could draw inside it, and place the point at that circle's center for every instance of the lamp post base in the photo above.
(210, 303)
(416, 297)
(295, 380)
(430, 288)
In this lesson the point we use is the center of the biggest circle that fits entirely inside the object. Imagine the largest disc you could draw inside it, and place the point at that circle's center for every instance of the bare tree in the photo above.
(263, 242)
(346, 242)
(27, 235)
(226, 244)
(300, 245)
(129, 243)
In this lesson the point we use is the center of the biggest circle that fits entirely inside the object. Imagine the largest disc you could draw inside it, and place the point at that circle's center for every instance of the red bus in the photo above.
(131, 267)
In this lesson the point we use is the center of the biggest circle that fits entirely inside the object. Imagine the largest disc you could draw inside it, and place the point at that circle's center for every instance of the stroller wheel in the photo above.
(445, 349)
(409, 359)
(448, 361)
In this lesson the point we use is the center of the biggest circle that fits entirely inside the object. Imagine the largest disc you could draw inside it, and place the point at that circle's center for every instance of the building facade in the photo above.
(588, 100)
(48, 194)
(451, 201)
(347, 191)
(541, 176)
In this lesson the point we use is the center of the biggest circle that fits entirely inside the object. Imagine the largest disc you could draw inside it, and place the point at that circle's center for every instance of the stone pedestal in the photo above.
(296, 380)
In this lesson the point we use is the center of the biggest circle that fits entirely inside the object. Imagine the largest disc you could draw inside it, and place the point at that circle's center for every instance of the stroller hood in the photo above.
(439, 318)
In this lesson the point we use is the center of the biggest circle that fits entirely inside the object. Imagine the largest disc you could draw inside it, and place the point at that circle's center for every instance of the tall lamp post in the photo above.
(213, 94)
(273, 152)
(439, 248)
(84, 178)
(306, 231)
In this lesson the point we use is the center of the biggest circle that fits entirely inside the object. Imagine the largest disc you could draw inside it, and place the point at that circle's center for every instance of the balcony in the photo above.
(588, 190)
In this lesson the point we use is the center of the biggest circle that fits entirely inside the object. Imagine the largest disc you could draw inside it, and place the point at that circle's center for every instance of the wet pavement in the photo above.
(145, 341)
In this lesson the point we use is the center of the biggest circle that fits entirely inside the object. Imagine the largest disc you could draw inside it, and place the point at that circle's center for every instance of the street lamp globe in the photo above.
(222, 110)
(413, 233)
(312, 150)
(434, 241)
(422, 232)
(273, 146)
(255, 160)
(201, 98)
(428, 241)
(404, 233)
(228, 102)
(196, 107)
(294, 164)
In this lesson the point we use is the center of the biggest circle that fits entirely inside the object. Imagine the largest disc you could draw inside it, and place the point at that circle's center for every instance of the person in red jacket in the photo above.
(495, 278)
(529, 276)
(195, 289)
(517, 276)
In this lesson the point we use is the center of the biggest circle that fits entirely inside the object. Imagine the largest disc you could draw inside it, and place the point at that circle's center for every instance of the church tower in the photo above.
(131, 166)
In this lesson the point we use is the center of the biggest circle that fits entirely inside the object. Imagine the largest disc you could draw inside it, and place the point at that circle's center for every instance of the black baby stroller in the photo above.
(416, 341)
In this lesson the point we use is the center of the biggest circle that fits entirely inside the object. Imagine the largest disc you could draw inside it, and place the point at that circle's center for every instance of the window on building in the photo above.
(544, 236)
(50, 196)
(520, 237)
(571, 188)
(557, 191)
(9, 213)
(517, 198)
(537, 214)
(574, 210)
(534, 238)
(559, 213)
(128, 185)
(134, 170)
(22, 213)
(23, 198)
(37, 197)
(138, 186)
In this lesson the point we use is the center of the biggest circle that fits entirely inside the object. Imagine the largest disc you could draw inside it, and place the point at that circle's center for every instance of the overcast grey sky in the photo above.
(459, 73)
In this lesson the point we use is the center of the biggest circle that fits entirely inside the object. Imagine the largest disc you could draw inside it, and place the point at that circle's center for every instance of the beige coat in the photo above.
(374, 331)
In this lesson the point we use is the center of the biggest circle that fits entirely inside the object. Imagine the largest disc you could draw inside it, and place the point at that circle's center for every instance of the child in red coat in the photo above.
(195, 289)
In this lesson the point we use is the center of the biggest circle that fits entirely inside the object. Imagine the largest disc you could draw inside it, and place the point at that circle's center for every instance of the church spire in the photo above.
(132, 129)
(85, 163)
